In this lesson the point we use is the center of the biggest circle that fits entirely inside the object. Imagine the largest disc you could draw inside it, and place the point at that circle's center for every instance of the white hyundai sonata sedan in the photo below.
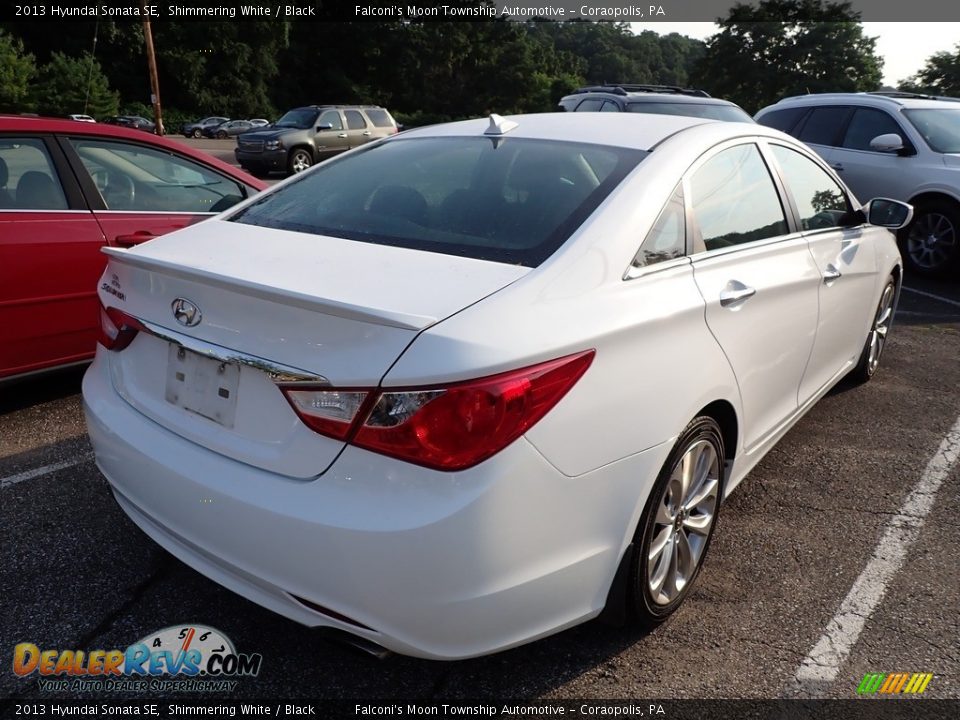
(471, 385)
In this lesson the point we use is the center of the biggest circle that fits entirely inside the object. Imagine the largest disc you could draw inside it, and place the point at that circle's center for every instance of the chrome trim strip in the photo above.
(154, 212)
(59, 212)
(277, 372)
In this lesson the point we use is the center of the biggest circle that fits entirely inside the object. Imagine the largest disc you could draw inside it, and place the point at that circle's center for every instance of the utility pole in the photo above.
(152, 64)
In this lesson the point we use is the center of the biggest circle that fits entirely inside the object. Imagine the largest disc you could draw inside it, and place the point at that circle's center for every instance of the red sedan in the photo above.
(66, 190)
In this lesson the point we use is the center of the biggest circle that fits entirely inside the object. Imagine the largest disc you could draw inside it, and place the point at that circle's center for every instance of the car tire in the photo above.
(221, 135)
(931, 243)
(876, 340)
(299, 160)
(197, 133)
(677, 524)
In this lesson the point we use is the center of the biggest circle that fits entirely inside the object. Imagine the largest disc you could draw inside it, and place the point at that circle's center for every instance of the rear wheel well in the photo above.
(726, 417)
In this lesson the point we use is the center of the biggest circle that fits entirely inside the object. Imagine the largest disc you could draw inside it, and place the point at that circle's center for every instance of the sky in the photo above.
(904, 47)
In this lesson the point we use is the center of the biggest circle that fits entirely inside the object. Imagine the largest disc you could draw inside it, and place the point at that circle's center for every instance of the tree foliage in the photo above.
(939, 76)
(422, 71)
(17, 70)
(68, 85)
(788, 47)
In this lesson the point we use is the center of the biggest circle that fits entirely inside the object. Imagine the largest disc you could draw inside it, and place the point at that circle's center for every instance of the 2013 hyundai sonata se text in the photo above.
(468, 386)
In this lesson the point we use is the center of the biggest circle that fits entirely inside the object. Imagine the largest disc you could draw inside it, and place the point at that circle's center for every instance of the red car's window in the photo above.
(134, 177)
(27, 178)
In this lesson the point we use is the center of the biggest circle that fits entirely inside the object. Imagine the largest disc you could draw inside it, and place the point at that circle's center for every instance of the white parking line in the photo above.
(942, 299)
(45, 470)
(823, 662)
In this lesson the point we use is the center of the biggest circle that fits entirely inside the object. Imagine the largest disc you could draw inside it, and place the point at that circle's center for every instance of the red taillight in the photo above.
(447, 428)
(117, 329)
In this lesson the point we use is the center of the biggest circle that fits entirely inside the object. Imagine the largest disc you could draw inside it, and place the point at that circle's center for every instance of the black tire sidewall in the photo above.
(947, 209)
(197, 133)
(641, 604)
(861, 371)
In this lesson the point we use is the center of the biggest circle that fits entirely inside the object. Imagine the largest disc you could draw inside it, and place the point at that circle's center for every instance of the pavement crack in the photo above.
(162, 566)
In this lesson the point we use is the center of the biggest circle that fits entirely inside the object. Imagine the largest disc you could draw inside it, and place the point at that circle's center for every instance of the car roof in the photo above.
(652, 97)
(630, 130)
(17, 123)
(869, 99)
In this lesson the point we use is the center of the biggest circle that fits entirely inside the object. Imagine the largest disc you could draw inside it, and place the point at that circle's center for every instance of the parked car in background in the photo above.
(134, 122)
(228, 129)
(69, 189)
(196, 128)
(530, 356)
(652, 99)
(81, 118)
(260, 122)
(898, 145)
(308, 135)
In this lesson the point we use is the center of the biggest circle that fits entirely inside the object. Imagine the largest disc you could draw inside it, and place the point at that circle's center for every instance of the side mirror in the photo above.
(324, 126)
(889, 143)
(888, 213)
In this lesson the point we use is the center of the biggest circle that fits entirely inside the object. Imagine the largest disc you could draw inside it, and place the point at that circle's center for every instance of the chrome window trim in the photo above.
(633, 272)
(278, 373)
(32, 210)
(155, 212)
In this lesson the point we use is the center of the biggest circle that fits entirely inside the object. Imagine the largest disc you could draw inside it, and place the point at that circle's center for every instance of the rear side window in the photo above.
(379, 117)
(667, 239)
(823, 125)
(867, 124)
(355, 120)
(27, 178)
(507, 200)
(734, 199)
(783, 120)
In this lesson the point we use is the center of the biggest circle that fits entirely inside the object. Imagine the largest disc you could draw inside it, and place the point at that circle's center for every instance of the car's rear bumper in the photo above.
(438, 565)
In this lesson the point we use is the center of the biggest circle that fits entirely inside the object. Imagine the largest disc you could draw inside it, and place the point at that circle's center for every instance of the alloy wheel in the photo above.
(685, 515)
(932, 241)
(881, 326)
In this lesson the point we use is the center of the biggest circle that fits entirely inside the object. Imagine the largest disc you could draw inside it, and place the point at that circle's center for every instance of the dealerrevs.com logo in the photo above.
(185, 658)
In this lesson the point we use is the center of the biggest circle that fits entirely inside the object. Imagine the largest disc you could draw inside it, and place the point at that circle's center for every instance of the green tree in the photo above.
(17, 70)
(788, 47)
(67, 85)
(939, 76)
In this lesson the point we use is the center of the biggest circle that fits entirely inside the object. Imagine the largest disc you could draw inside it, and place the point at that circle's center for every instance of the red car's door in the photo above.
(138, 192)
(50, 259)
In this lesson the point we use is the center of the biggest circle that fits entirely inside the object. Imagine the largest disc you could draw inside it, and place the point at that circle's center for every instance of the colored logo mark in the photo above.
(894, 683)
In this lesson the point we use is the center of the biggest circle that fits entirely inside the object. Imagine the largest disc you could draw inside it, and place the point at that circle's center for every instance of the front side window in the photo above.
(28, 180)
(820, 201)
(734, 199)
(865, 125)
(589, 106)
(508, 200)
(667, 239)
(332, 118)
(610, 107)
(134, 177)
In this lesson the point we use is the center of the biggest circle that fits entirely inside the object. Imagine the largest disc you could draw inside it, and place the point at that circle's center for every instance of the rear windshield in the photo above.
(507, 200)
(728, 113)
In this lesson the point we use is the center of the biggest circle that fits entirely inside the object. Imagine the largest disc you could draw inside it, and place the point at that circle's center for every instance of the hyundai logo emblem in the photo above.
(186, 312)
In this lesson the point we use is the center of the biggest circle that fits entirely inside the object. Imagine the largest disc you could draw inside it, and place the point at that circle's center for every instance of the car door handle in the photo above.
(367, 133)
(342, 135)
(731, 297)
(133, 239)
(837, 166)
(831, 274)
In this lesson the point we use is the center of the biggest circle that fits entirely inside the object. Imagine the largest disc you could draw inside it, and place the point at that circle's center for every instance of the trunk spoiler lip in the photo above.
(376, 316)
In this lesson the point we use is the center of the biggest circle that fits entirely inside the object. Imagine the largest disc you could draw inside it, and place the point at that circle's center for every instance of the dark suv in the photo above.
(307, 135)
(658, 99)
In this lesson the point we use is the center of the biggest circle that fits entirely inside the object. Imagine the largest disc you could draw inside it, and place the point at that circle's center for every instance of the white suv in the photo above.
(895, 145)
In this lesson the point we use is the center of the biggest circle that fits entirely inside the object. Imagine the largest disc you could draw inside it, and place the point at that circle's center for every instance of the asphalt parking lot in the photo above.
(833, 559)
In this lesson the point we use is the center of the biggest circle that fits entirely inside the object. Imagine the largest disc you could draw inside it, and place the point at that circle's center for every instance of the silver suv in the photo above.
(896, 145)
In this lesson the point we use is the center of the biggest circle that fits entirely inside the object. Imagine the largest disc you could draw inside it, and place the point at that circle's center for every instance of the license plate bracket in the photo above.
(202, 385)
